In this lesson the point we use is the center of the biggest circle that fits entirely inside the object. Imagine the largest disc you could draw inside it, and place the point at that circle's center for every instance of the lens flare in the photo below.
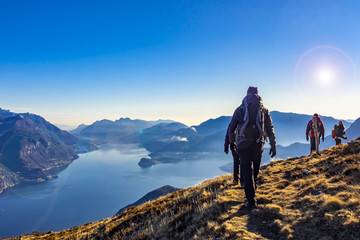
(325, 70)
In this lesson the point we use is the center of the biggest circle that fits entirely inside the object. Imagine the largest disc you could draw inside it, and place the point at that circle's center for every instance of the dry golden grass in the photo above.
(322, 202)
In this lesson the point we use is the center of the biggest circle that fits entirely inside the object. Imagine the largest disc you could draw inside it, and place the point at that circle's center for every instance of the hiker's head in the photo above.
(252, 90)
(341, 123)
(316, 115)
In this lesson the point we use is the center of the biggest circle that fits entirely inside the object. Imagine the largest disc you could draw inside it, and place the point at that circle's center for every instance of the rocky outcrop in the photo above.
(7, 178)
(162, 157)
(147, 162)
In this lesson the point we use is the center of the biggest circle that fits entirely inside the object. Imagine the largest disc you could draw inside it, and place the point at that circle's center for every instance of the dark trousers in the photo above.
(237, 169)
(338, 141)
(250, 165)
(312, 144)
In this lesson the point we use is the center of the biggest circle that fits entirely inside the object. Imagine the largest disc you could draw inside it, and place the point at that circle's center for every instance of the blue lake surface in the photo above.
(95, 187)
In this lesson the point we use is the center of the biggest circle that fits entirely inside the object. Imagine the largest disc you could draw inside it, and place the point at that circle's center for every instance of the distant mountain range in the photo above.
(32, 148)
(123, 130)
(209, 137)
(169, 141)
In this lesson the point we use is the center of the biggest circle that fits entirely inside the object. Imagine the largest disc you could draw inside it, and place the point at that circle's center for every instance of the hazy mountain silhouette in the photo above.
(78, 129)
(124, 130)
(155, 137)
(209, 137)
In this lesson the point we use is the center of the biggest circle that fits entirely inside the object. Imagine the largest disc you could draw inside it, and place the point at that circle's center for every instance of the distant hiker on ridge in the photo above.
(250, 124)
(311, 128)
(339, 132)
(236, 159)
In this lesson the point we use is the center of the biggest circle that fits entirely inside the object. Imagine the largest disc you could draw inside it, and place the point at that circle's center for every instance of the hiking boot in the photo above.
(249, 206)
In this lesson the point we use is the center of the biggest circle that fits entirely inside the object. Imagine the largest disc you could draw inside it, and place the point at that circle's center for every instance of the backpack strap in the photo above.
(245, 119)
(260, 122)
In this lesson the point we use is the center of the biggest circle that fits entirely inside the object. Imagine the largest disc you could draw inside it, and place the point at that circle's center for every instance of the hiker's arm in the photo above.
(232, 126)
(307, 129)
(270, 132)
(322, 126)
(270, 129)
(322, 130)
(227, 142)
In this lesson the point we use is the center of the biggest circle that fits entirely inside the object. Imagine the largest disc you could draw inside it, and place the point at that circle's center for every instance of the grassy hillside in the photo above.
(313, 197)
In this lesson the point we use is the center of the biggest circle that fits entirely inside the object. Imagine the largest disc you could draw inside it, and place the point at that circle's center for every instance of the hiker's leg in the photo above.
(241, 173)
(257, 154)
(236, 165)
(312, 144)
(247, 172)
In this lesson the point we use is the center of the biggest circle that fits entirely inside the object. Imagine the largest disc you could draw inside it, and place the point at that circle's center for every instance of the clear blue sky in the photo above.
(80, 61)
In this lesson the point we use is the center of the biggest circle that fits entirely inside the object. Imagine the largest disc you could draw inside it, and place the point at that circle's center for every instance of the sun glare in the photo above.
(327, 67)
(325, 76)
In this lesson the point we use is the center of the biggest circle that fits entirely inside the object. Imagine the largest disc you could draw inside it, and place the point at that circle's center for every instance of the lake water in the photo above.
(95, 187)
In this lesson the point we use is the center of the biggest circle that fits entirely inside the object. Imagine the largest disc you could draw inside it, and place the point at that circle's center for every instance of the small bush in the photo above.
(269, 212)
(332, 203)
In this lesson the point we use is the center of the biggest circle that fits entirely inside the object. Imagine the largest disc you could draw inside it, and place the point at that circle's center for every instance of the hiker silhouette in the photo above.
(339, 132)
(250, 125)
(310, 128)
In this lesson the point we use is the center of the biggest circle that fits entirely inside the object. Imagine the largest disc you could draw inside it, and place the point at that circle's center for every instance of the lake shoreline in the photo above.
(96, 186)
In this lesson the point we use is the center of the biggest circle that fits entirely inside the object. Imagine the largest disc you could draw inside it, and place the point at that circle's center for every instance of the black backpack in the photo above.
(252, 123)
(339, 131)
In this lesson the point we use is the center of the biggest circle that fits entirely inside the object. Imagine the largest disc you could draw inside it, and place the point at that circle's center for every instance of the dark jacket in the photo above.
(310, 129)
(237, 121)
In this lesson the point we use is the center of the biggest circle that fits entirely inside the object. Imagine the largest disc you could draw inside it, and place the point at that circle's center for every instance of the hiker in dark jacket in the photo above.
(310, 129)
(339, 132)
(250, 124)
(236, 159)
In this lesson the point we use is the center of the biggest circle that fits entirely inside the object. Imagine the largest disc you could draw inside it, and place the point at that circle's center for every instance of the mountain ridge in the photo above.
(150, 196)
(209, 137)
(31, 148)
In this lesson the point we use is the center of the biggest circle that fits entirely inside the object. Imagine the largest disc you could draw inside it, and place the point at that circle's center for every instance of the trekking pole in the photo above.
(317, 137)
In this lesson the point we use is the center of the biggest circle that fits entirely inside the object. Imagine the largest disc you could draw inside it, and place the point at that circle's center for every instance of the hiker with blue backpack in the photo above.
(248, 129)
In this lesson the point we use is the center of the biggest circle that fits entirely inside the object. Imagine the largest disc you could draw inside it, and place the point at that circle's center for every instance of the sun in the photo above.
(325, 76)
